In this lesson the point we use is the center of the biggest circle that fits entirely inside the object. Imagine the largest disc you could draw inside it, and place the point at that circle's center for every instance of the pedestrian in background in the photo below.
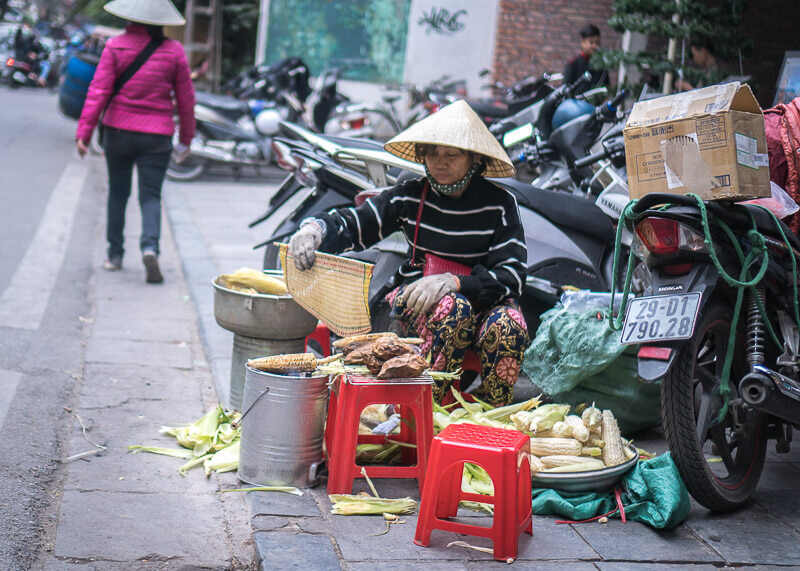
(577, 66)
(131, 94)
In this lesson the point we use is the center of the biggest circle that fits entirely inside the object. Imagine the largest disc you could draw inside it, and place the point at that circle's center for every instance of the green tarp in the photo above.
(652, 493)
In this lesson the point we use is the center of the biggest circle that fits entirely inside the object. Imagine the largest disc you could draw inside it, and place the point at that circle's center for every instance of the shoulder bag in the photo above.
(433, 263)
(123, 78)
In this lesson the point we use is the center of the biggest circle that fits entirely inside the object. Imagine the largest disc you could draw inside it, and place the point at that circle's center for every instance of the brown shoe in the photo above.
(152, 271)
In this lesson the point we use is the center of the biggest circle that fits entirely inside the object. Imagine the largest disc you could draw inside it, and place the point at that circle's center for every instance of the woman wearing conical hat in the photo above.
(459, 288)
(138, 119)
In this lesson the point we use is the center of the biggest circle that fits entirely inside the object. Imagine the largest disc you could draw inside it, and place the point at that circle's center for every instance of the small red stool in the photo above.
(349, 395)
(504, 454)
(322, 336)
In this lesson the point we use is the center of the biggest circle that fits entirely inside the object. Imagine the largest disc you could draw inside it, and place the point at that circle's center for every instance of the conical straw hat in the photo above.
(154, 12)
(456, 125)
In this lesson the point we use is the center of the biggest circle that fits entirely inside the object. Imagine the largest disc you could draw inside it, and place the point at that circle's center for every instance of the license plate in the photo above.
(660, 318)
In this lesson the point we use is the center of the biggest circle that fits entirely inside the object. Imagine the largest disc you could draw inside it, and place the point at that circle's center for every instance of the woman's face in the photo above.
(447, 164)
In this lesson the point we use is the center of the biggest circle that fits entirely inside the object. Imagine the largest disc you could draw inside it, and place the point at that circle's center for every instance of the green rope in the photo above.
(757, 250)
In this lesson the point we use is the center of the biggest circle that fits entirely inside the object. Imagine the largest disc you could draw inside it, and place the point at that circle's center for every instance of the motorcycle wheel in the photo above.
(191, 168)
(720, 463)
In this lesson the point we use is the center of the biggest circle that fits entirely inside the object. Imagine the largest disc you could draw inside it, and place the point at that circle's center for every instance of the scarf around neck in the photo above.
(450, 189)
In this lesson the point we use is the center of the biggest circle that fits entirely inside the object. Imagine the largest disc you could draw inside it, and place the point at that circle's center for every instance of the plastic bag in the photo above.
(575, 357)
(780, 203)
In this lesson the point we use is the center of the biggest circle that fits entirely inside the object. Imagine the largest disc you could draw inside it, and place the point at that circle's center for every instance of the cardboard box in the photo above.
(708, 141)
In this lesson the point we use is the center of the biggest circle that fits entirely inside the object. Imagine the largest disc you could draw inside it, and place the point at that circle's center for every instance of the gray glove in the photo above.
(423, 293)
(304, 244)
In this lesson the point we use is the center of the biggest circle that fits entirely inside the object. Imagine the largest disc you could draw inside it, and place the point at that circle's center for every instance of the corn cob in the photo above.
(579, 430)
(592, 417)
(549, 446)
(583, 466)
(612, 451)
(291, 363)
(355, 340)
(250, 278)
(556, 460)
(561, 430)
(536, 464)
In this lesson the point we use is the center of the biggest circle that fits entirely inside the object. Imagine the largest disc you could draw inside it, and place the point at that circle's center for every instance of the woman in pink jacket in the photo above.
(138, 120)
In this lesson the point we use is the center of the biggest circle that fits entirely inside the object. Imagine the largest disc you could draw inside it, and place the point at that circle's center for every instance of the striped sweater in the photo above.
(480, 229)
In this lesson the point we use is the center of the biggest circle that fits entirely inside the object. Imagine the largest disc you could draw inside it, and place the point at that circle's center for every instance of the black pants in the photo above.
(150, 153)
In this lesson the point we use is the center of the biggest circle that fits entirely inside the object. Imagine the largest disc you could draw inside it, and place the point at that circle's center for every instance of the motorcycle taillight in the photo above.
(305, 171)
(10, 62)
(353, 124)
(660, 235)
(283, 156)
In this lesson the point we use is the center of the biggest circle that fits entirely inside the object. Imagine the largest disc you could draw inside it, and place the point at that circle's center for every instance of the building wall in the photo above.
(534, 36)
(537, 36)
(450, 37)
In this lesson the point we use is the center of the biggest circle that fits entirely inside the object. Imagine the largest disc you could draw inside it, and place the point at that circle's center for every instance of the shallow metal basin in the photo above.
(590, 481)
(261, 316)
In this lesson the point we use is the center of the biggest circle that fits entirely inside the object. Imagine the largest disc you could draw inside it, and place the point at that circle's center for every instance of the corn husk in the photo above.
(348, 504)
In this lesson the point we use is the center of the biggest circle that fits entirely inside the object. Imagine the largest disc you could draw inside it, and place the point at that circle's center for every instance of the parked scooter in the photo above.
(728, 384)
(236, 131)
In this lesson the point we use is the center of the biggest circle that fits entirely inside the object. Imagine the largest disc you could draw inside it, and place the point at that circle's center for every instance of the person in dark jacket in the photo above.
(577, 66)
(451, 216)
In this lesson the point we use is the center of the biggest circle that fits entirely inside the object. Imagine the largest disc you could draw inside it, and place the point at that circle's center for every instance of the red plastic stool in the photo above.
(349, 395)
(504, 454)
(322, 336)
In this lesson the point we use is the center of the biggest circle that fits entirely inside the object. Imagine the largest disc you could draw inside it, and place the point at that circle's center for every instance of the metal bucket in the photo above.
(246, 348)
(283, 426)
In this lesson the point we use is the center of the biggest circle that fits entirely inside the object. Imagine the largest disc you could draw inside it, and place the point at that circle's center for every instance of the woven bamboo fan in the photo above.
(335, 290)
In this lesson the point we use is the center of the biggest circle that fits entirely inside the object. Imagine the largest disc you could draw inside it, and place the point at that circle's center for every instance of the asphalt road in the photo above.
(47, 224)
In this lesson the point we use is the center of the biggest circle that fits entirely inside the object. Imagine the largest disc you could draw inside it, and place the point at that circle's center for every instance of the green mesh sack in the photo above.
(577, 358)
(652, 492)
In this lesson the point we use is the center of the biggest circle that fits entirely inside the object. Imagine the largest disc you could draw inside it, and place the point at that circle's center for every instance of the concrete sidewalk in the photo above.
(209, 220)
(145, 367)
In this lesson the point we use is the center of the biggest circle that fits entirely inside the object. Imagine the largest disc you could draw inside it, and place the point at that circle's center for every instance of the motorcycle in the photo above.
(236, 131)
(727, 355)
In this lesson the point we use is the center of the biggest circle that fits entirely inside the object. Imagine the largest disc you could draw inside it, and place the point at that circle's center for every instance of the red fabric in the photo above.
(145, 102)
(782, 124)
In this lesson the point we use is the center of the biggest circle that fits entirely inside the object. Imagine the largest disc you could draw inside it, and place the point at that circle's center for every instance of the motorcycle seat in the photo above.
(488, 109)
(766, 225)
(565, 210)
(225, 105)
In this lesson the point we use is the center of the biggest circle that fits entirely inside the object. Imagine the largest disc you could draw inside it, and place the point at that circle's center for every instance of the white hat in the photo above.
(456, 125)
(154, 12)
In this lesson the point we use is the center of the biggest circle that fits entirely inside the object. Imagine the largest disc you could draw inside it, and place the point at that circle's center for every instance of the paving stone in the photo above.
(778, 475)
(638, 566)
(279, 550)
(130, 527)
(540, 565)
(785, 507)
(357, 542)
(106, 385)
(312, 525)
(747, 537)
(280, 504)
(143, 328)
(128, 352)
(617, 540)
(411, 565)
(268, 523)
(550, 542)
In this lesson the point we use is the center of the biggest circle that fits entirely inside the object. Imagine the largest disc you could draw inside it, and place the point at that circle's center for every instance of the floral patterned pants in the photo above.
(498, 336)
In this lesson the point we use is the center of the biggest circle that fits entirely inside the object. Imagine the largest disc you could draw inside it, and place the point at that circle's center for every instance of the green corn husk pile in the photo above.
(212, 442)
